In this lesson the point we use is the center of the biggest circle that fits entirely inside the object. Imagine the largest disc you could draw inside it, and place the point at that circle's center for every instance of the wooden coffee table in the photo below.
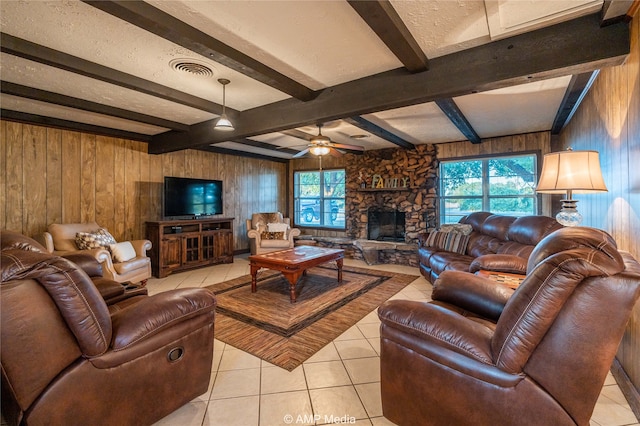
(293, 263)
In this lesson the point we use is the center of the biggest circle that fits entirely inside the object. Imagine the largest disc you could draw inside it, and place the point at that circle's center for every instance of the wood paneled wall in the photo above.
(55, 176)
(608, 121)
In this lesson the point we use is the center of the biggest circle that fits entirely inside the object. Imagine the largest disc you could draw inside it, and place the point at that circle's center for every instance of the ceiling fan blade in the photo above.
(351, 147)
(301, 153)
(334, 152)
(292, 146)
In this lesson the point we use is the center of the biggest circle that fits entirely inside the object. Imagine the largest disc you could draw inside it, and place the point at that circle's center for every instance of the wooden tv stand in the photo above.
(178, 245)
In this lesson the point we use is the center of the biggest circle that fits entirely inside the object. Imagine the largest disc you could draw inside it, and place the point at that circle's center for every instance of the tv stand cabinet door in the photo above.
(170, 254)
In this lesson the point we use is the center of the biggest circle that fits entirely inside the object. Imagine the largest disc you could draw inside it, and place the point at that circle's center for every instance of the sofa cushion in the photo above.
(284, 244)
(132, 265)
(122, 252)
(455, 242)
(509, 263)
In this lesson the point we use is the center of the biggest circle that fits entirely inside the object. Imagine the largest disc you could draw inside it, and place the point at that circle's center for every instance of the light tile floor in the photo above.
(340, 383)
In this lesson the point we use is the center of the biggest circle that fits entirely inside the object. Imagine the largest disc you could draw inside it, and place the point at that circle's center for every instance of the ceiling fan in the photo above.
(321, 145)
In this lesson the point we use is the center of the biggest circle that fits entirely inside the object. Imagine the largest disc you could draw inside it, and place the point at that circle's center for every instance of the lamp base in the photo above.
(568, 215)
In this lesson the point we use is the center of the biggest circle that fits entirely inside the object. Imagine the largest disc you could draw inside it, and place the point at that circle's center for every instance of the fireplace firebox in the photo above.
(385, 224)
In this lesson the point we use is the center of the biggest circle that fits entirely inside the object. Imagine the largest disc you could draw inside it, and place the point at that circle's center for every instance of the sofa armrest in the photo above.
(434, 324)
(46, 240)
(141, 247)
(476, 294)
(293, 232)
(254, 233)
(445, 337)
(156, 321)
(509, 263)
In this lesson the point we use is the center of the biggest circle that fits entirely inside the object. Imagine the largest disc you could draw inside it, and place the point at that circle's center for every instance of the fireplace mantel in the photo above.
(386, 189)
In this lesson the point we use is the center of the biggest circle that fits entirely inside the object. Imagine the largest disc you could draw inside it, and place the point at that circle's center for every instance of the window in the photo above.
(501, 185)
(319, 198)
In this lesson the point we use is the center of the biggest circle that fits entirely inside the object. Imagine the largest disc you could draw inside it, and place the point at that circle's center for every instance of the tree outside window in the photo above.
(502, 185)
(319, 198)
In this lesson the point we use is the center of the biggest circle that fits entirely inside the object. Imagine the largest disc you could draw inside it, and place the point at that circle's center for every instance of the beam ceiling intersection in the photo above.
(554, 51)
(162, 24)
(383, 19)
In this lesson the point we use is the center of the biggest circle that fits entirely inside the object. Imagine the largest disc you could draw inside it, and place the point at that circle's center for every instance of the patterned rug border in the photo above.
(289, 351)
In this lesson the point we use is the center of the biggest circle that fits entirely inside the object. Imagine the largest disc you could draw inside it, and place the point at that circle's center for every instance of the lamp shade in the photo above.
(576, 171)
(223, 123)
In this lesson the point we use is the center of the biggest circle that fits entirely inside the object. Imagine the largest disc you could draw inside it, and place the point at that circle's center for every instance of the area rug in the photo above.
(267, 325)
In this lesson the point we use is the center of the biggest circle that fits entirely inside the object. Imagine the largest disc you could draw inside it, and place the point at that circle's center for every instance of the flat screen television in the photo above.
(186, 198)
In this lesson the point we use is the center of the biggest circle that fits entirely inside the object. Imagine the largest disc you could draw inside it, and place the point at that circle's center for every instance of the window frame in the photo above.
(485, 196)
(322, 199)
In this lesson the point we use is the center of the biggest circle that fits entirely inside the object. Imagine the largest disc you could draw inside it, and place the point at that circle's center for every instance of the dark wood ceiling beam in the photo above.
(157, 22)
(44, 55)
(618, 10)
(576, 90)
(383, 19)
(451, 110)
(554, 51)
(238, 153)
(378, 131)
(23, 117)
(295, 133)
(264, 145)
(84, 105)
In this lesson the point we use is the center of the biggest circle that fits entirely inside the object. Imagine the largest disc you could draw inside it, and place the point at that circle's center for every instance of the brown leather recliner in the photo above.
(480, 355)
(67, 360)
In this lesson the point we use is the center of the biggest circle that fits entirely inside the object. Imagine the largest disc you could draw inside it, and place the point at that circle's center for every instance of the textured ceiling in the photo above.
(322, 47)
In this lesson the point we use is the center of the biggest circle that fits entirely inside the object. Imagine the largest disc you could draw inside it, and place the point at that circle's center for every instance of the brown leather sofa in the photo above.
(496, 243)
(481, 355)
(66, 359)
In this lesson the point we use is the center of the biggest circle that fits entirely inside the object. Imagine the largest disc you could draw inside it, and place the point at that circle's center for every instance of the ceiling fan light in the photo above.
(224, 124)
(319, 150)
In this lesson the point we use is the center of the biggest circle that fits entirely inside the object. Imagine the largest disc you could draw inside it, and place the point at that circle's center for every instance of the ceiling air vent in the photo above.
(191, 67)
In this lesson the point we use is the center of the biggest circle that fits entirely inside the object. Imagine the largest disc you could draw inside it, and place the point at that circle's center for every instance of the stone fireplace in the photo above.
(391, 180)
(385, 224)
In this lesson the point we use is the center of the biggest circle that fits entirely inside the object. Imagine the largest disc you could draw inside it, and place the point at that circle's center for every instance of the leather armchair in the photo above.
(67, 360)
(60, 240)
(258, 224)
(480, 354)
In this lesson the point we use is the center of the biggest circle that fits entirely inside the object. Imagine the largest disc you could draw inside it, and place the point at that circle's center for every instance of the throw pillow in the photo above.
(107, 237)
(93, 240)
(122, 252)
(461, 228)
(450, 241)
(272, 235)
(278, 227)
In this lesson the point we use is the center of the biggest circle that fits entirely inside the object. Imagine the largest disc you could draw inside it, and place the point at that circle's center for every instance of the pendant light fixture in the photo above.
(223, 122)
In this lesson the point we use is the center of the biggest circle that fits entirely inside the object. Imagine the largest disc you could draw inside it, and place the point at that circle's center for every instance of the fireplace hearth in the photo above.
(385, 224)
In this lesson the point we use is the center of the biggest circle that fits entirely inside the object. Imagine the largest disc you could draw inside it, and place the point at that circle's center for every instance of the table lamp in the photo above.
(566, 172)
